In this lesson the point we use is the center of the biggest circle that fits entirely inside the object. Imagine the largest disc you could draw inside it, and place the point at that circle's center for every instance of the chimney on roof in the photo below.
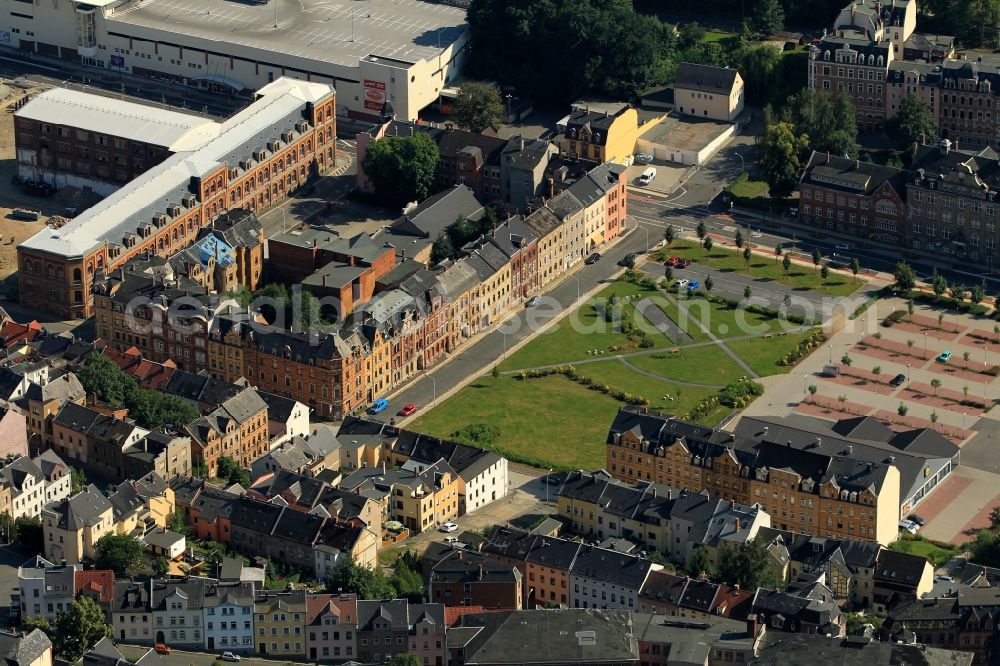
(736, 525)
(732, 504)
(828, 157)
(324, 279)
(480, 572)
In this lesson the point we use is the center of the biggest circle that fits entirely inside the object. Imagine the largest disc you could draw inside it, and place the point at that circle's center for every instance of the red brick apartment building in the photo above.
(283, 138)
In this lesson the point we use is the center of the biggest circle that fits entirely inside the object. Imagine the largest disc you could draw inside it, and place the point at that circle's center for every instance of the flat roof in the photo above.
(685, 133)
(130, 208)
(104, 115)
(342, 32)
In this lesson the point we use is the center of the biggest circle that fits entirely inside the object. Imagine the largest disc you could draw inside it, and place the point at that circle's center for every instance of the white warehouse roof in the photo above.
(129, 208)
(106, 115)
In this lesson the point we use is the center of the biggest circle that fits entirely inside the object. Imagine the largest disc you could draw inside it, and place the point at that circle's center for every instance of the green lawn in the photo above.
(685, 321)
(763, 269)
(936, 552)
(727, 39)
(763, 354)
(574, 336)
(664, 396)
(550, 421)
(745, 188)
(700, 365)
(726, 322)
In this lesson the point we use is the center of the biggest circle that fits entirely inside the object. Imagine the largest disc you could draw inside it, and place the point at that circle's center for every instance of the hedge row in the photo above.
(569, 372)
(803, 349)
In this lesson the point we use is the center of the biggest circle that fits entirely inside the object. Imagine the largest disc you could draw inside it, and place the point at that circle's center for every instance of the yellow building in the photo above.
(606, 135)
(280, 620)
(72, 527)
(713, 93)
(420, 498)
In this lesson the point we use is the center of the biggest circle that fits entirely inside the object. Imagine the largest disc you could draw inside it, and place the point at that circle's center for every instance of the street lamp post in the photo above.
(577, 287)
(925, 346)
(434, 389)
(908, 375)
(545, 482)
(742, 163)
(831, 353)
(504, 333)
(646, 229)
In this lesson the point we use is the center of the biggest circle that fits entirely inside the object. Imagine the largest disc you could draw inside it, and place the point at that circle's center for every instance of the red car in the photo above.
(162, 649)
(673, 261)
(408, 409)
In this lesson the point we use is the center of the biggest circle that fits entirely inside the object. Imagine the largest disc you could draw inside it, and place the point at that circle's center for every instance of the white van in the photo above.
(647, 176)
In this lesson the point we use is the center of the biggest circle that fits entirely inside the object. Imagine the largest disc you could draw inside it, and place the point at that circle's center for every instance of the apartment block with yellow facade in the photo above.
(280, 623)
(71, 528)
(713, 93)
(420, 499)
(852, 480)
(600, 132)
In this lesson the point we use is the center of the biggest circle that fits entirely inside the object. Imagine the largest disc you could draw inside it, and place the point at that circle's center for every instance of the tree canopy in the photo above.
(120, 553)
(101, 377)
(747, 565)
(79, 628)
(402, 168)
(477, 107)
(831, 125)
(29, 534)
(404, 659)
(231, 471)
(768, 17)
(913, 122)
(904, 279)
(780, 158)
(577, 47)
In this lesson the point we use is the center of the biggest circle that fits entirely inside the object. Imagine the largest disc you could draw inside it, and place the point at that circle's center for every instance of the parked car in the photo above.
(409, 409)
(673, 261)
(843, 247)
(681, 282)
(532, 302)
(379, 406)
(162, 649)
(944, 357)
(683, 263)
(553, 479)
(229, 656)
(630, 257)
(693, 284)
(593, 259)
(448, 527)
(451, 539)
(917, 519)
(642, 158)
(909, 526)
(944, 579)
(897, 380)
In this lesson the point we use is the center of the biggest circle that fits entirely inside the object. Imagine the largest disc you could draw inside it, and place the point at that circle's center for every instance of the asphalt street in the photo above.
(491, 348)
(185, 658)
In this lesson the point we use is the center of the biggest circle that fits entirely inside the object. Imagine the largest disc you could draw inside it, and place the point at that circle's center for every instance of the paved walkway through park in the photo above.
(658, 318)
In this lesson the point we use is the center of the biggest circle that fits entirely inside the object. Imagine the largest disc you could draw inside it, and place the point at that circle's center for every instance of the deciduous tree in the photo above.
(477, 106)
(780, 158)
(402, 168)
(913, 122)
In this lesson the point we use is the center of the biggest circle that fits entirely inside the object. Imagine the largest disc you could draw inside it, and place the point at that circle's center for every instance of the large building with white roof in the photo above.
(69, 138)
(250, 161)
(405, 52)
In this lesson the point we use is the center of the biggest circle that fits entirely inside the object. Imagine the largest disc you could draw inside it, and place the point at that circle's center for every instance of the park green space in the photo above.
(699, 365)
(745, 187)
(553, 421)
(763, 356)
(765, 269)
(575, 337)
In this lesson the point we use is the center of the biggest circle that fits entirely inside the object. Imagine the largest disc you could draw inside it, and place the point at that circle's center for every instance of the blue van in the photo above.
(378, 406)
